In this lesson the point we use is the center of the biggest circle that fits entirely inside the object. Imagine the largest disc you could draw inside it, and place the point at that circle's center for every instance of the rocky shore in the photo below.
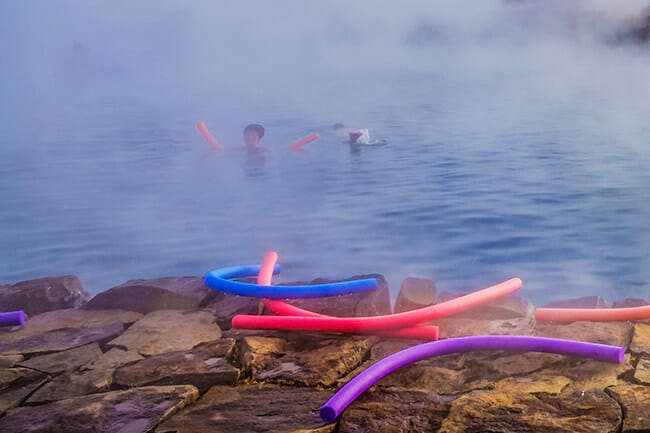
(160, 356)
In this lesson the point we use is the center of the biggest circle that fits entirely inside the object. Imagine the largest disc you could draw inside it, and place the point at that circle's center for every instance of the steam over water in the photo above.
(518, 142)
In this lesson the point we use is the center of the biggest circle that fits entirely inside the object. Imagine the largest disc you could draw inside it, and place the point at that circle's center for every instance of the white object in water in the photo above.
(360, 136)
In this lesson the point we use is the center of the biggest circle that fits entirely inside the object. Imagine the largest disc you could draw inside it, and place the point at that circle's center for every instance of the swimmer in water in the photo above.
(253, 134)
(355, 136)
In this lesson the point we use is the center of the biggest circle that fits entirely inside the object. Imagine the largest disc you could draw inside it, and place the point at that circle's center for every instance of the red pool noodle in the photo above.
(285, 309)
(208, 136)
(593, 314)
(303, 141)
(373, 323)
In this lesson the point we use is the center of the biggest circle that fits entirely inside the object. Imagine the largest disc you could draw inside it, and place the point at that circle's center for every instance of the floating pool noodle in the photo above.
(219, 279)
(208, 136)
(593, 314)
(373, 323)
(282, 308)
(12, 318)
(303, 141)
(331, 410)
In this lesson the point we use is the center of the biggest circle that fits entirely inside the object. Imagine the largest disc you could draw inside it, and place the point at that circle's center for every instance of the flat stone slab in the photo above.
(415, 293)
(62, 339)
(204, 366)
(612, 333)
(487, 411)
(635, 400)
(169, 331)
(16, 384)
(68, 360)
(253, 408)
(302, 358)
(461, 327)
(130, 411)
(641, 339)
(642, 371)
(43, 294)
(65, 319)
(145, 296)
(72, 385)
(394, 410)
(10, 360)
(113, 359)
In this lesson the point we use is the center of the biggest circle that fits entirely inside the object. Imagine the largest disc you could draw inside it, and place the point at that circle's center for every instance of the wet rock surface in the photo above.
(174, 370)
(43, 294)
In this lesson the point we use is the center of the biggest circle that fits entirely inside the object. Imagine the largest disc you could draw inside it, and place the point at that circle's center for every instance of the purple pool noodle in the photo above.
(353, 389)
(12, 318)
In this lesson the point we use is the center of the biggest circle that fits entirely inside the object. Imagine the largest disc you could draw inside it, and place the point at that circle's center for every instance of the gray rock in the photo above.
(16, 384)
(167, 331)
(252, 408)
(614, 333)
(130, 411)
(415, 293)
(460, 327)
(204, 366)
(10, 360)
(73, 385)
(43, 294)
(68, 360)
(113, 359)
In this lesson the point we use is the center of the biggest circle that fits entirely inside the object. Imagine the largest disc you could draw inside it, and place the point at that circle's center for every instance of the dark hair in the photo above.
(259, 129)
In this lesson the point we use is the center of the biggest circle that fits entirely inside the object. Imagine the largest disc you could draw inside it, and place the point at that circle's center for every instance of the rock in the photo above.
(583, 302)
(549, 385)
(641, 339)
(489, 411)
(630, 302)
(67, 360)
(613, 333)
(508, 307)
(145, 296)
(43, 294)
(394, 410)
(226, 306)
(358, 304)
(169, 331)
(518, 363)
(252, 408)
(458, 327)
(635, 401)
(113, 359)
(16, 384)
(73, 385)
(70, 318)
(415, 293)
(204, 366)
(306, 359)
(62, 339)
(130, 411)
(10, 360)
(642, 371)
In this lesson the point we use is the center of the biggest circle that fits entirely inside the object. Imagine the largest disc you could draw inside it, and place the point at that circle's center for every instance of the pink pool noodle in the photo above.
(208, 136)
(285, 309)
(373, 323)
(364, 380)
(593, 314)
(303, 141)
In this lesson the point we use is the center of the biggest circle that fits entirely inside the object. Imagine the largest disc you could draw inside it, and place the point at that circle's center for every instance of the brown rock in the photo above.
(130, 411)
(169, 331)
(67, 360)
(394, 410)
(252, 408)
(415, 293)
(204, 366)
(62, 339)
(43, 294)
(641, 339)
(304, 359)
(457, 327)
(145, 296)
(549, 385)
(226, 306)
(359, 304)
(635, 401)
(509, 307)
(70, 318)
(16, 384)
(613, 333)
(583, 302)
(10, 360)
(113, 359)
(642, 371)
(73, 385)
(591, 411)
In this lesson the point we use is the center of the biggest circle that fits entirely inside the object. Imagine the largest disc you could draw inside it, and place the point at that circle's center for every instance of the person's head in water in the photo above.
(253, 134)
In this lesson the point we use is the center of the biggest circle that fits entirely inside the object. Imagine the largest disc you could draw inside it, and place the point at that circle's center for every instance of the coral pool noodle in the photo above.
(285, 309)
(219, 279)
(593, 314)
(303, 141)
(12, 318)
(373, 323)
(331, 410)
(208, 136)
